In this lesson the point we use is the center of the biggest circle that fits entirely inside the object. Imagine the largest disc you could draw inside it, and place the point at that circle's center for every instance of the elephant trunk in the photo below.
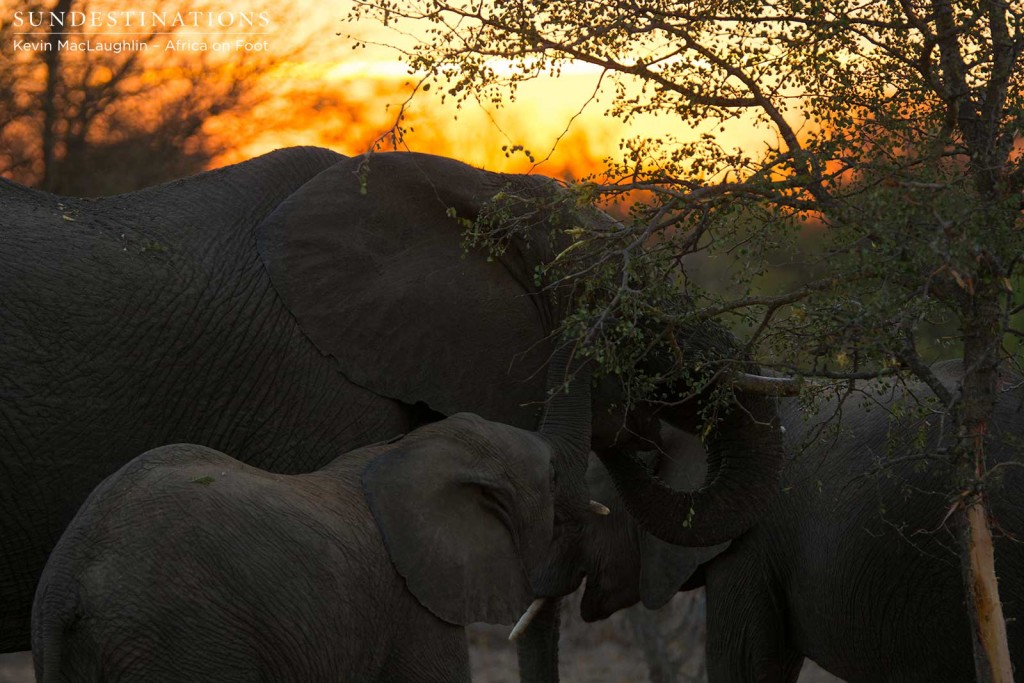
(537, 648)
(566, 419)
(745, 454)
(566, 424)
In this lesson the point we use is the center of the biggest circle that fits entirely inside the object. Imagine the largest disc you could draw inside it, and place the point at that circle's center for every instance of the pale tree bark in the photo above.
(991, 654)
(980, 387)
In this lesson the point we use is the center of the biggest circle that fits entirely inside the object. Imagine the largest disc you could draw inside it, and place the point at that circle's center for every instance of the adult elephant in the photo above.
(854, 565)
(285, 309)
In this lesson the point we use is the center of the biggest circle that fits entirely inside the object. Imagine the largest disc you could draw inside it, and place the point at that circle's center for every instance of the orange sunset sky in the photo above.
(373, 81)
(546, 117)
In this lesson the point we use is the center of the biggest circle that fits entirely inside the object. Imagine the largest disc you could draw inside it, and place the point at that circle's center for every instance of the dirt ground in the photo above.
(616, 650)
(633, 646)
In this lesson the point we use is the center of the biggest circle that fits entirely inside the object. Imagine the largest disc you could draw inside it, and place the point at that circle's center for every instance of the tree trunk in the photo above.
(980, 387)
(991, 651)
(52, 59)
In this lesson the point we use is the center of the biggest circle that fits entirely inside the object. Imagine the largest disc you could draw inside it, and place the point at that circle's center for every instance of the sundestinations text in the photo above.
(140, 19)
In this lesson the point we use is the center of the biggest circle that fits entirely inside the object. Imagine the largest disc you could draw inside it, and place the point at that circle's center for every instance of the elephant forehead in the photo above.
(375, 272)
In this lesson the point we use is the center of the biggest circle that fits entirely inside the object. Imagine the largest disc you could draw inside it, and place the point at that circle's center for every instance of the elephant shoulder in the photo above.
(283, 170)
(237, 195)
(155, 471)
(151, 481)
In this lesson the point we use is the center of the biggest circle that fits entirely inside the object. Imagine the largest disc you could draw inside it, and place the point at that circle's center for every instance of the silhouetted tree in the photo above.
(101, 122)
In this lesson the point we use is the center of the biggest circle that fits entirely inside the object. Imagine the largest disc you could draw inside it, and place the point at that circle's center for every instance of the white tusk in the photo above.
(598, 509)
(527, 617)
(768, 386)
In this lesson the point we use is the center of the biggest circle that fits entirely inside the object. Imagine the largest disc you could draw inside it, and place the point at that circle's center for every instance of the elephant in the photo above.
(290, 308)
(854, 565)
(189, 564)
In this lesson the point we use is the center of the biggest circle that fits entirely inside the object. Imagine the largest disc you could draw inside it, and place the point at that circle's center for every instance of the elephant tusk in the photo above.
(527, 617)
(767, 386)
(598, 509)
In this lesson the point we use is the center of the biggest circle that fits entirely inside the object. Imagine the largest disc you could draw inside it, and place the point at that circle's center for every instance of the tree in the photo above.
(893, 125)
(111, 120)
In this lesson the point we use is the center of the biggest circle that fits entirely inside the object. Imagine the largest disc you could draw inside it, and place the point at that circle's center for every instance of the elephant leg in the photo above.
(428, 650)
(751, 652)
(747, 638)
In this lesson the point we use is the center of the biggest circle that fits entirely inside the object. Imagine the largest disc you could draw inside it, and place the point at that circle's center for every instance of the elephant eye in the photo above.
(568, 523)
(494, 501)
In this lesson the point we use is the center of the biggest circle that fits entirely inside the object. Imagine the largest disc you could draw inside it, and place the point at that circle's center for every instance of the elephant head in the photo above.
(743, 442)
(369, 256)
(623, 563)
(472, 512)
(626, 564)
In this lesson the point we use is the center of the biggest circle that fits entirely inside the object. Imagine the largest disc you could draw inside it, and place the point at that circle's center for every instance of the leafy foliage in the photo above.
(894, 126)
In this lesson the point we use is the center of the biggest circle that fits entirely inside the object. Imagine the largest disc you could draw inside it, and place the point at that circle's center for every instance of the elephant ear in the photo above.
(463, 523)
(664, 567)
(368, 257)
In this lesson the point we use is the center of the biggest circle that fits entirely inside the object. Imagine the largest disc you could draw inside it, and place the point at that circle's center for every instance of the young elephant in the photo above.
(187, 564)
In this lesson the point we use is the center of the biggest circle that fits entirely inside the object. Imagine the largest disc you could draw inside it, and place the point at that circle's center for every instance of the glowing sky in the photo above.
(545, 118)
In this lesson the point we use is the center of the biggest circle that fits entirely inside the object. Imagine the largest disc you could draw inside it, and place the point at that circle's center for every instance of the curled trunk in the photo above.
(745, 454)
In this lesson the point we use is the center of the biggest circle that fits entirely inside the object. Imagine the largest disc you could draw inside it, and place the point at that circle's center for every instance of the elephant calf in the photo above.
(187, 564)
